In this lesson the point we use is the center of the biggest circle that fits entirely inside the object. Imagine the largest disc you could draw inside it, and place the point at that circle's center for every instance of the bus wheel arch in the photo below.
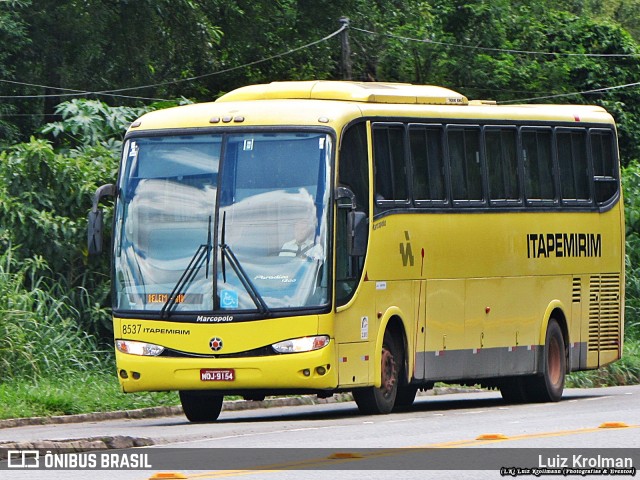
(391, 356)
(406, 392)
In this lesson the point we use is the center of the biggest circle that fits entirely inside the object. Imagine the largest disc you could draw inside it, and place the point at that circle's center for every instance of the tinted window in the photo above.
(538, 164)
(428, 163)
(502, 162)
(354, 164)
(604, 165)
(390, 169)
(573, 163)
(466, 169)
(353, 173)
(603, 160)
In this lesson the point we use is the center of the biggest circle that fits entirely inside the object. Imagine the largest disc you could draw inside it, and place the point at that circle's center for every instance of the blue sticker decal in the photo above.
(228, 299)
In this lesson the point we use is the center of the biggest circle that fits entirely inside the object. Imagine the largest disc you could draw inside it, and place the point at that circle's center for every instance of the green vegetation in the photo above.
(96, 391)
(55, 329)
(48, 364)
(38, 334)
(631, 188)
(624, 372)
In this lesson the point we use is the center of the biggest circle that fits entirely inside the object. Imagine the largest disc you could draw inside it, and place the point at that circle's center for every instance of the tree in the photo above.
(511, 51)
(45, 193)
(77, 46)
(13, 37)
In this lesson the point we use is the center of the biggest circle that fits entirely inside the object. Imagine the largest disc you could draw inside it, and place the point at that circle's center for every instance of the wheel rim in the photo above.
(388, 373)
(554, 362)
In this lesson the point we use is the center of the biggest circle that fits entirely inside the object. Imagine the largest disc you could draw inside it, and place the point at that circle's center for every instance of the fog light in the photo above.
(135, 375)
(123, 374)
(321, 370)
(306, 372)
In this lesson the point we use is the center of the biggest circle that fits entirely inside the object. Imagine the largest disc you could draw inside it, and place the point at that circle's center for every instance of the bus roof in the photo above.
(367, 92)
(335, 103)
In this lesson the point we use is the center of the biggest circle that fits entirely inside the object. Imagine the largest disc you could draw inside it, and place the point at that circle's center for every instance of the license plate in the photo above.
(217, 374)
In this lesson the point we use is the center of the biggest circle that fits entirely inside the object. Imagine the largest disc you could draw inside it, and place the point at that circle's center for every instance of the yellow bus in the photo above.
(318, 237)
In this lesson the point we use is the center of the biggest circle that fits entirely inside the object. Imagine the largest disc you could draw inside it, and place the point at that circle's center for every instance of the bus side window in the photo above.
(353, 172)
(428, 163)
(353, 169)
(572, 160)
(390, 165)
(502, 164)
(604, 165)
(538, 164)
(465, 160)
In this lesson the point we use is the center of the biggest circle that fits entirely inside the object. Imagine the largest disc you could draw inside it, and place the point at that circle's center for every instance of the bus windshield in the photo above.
(223, 223)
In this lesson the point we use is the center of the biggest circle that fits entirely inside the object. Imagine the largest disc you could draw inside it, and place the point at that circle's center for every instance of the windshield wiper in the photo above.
(227, 254)
(202, 254)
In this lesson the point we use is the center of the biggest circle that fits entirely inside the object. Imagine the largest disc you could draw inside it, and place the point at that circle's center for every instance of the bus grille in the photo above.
(604, 312)
(577, 290)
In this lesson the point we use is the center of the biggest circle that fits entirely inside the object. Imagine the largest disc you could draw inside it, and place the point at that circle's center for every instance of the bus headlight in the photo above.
(304, 344)
(139, 348)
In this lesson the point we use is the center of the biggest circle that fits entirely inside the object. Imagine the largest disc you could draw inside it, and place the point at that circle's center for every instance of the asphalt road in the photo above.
(460, 436)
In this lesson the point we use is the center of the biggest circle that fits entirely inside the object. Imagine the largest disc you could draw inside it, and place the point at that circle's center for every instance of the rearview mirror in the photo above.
(94, 232)
(358, 232)
(95, 219)
(357, 229)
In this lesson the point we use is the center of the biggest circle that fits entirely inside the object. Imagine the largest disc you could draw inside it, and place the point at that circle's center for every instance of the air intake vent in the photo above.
(604, 312)
(577, 291)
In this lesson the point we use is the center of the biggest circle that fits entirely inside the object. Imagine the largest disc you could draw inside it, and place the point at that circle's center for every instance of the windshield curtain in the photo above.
(223, 223)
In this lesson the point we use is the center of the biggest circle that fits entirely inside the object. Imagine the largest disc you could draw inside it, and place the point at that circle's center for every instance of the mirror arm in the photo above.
(345, 192)
(95, 220)
(108, 190)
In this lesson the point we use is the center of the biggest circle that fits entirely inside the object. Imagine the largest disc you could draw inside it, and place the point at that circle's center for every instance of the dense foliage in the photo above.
(38, 329)
(152, 49)
(60, 133)
(44, 196)
(631, 185)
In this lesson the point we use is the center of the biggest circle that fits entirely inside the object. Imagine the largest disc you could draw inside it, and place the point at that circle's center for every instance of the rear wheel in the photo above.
(374, 400)
(513, 390)
(201, 406)
(549, 386)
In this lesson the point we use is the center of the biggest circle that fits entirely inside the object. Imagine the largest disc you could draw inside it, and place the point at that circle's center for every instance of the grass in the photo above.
(625, 371)
(83, 392)
(48, 364)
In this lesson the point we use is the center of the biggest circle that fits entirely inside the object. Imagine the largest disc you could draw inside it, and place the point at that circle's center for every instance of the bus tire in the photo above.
(199, 406)
(405, 396)
(549, 386)
(513, 390)
(374, 400)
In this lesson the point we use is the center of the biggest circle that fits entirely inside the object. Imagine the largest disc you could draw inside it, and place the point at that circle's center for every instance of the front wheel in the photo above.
(201, 406)
(405, 396)
(374, 400)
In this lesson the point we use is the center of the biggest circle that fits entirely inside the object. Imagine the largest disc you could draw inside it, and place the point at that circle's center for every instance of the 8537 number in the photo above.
(131, 328)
